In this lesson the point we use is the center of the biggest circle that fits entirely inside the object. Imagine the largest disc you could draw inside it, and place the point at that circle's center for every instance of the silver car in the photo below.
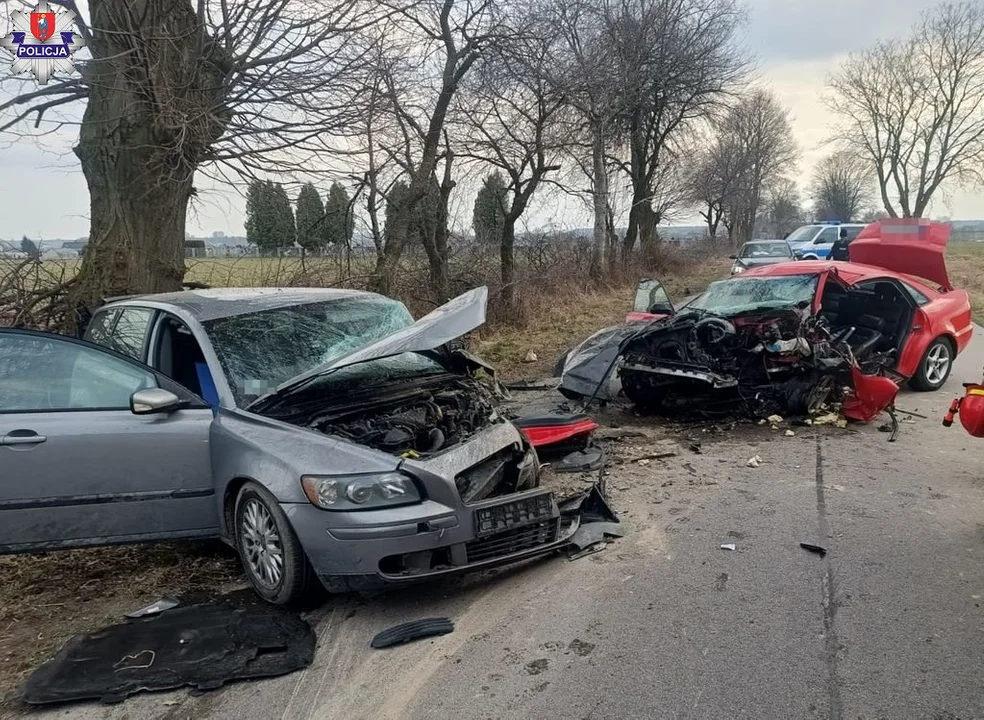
(322, 433)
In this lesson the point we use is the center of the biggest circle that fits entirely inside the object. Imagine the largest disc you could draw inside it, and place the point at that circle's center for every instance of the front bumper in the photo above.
(440, 536)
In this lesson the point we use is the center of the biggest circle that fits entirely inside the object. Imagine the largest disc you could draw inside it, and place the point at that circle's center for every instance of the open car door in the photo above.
(651, 301)
(911, 246)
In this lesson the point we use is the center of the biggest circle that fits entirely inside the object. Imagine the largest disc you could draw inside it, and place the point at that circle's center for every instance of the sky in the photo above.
(43, 193)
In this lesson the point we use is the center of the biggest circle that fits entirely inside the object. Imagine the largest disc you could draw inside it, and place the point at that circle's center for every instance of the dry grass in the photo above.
(965, 263)
(561, 320)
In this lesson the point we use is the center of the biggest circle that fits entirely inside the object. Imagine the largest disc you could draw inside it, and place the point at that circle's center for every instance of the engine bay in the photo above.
(414, 421)
(787, 359)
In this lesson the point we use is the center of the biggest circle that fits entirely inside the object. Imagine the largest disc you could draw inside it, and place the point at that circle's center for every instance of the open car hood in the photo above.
(439, 327)
(911, 246)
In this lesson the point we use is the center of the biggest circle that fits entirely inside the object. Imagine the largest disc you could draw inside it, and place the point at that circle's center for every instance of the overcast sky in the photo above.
(43, 194)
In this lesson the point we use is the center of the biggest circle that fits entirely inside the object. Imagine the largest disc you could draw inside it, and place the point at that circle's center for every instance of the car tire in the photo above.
(270, 553)
(935, 366)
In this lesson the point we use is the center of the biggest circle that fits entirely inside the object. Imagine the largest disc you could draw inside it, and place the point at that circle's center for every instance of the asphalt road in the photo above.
(665, 624)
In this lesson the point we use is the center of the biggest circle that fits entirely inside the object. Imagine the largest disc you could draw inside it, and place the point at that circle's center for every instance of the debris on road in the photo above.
(754, 462)
(790, 433)
(526, 385)
(821, 551)
(729, 546)
(414, 630)
(530, 357)
(216, 644)
(654, 456)
(830, 419)
(695, 448)
(591, 458)
(774, 419)
(155, 608)
(594, 533)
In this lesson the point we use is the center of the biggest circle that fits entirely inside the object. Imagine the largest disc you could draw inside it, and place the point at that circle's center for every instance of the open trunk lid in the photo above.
(911, 246)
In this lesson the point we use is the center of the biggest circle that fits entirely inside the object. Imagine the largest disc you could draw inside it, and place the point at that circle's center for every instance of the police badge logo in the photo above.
(35, 45)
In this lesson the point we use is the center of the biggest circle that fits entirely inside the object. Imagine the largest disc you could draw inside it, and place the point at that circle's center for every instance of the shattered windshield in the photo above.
(740, 294)
(260, 351)
(762, 250)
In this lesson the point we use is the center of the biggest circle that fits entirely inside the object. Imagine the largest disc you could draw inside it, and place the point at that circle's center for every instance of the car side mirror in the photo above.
(732, 257)
(661, 309)
(153, 401)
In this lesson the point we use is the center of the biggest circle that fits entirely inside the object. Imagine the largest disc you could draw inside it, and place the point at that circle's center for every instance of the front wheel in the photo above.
(269, 550)
(935, 366)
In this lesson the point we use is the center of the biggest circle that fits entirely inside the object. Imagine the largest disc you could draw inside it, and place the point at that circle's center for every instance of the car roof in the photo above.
(764, 242)
(849, 271)
(217, 303)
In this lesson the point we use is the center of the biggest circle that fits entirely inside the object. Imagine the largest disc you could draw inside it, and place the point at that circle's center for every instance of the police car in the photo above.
(814, 242)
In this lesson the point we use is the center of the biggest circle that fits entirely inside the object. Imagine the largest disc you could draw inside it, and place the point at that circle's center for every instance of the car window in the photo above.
(39, 373)
(101, 326)
(762, 249)
(853, 232)
(803, 234)
(130, 332)
(827, 235)
(916, 295)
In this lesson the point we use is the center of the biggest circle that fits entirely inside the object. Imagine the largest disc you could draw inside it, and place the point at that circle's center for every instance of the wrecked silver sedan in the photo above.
(323, 433)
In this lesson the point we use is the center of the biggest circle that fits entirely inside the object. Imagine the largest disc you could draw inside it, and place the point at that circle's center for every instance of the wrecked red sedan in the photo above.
(792, 336)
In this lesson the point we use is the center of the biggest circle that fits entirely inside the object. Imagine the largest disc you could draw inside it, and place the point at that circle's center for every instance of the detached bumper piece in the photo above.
(412, 631)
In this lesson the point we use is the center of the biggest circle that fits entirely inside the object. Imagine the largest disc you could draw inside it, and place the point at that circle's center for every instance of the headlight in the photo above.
(360, 492)
(737, 269)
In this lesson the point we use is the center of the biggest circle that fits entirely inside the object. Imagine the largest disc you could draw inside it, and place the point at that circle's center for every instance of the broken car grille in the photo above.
(512, 541)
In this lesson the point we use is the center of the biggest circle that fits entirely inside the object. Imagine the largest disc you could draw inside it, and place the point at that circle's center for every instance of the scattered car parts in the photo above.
(406, 632)
(204, 646)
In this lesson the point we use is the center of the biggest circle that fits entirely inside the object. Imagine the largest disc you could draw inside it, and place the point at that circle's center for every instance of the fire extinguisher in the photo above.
(970, 408)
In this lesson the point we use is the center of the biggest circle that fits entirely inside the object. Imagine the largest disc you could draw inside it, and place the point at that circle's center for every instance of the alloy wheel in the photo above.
(261, 546)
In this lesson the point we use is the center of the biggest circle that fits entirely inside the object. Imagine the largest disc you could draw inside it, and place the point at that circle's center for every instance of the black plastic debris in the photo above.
(821, 551)
(204, 646)
(594, 533)
(591, 458)
(155, 608)
(412, 631)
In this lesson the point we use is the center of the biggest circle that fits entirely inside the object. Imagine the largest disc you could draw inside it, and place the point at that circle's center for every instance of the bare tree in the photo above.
(915, 107)
(582, 71)
(675, 63)
(426, 51)
(756, 142)
(511, 118)
(172, 88)
(782, 211)
(842, 186)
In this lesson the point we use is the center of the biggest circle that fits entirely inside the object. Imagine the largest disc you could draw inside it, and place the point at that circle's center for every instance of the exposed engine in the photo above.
(417, 420)
(768, 360)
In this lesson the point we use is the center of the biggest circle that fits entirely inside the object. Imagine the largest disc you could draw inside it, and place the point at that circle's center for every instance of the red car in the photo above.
(789, 335)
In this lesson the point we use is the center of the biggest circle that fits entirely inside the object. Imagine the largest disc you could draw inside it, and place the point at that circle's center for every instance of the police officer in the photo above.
(839, 249)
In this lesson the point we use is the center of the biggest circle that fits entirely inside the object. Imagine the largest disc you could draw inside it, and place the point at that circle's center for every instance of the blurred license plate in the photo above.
(494, 519)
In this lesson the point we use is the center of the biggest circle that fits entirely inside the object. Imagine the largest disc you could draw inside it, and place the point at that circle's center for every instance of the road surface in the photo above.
(664, 623)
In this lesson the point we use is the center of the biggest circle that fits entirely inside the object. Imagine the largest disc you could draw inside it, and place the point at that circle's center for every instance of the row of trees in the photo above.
(272, 223)
(637, 107)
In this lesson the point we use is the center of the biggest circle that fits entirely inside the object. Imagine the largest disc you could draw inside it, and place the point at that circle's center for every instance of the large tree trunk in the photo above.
(507, 260)
(600, 198)
(155, 107)
(647, 227)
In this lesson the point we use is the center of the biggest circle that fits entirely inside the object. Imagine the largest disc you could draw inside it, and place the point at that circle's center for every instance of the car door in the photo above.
(823, 242)
(78, 466)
